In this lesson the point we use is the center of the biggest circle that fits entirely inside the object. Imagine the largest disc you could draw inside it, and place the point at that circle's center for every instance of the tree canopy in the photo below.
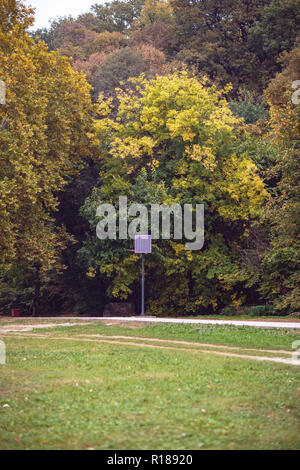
(44, 139)
(165, 102)
(172, 139)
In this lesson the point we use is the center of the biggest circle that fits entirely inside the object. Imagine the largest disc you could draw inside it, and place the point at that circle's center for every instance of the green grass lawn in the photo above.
(82, 395)
(243, 336)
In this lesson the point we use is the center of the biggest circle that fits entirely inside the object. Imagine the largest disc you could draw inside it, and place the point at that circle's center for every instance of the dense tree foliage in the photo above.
(117, 68)
(281, 264)
(177, 135)
(164, 101)
(274, 33)
(44, 129)
(213, 36)
(113, 16)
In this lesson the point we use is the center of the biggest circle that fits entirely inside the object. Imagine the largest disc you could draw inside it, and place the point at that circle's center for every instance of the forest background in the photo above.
(189, 101)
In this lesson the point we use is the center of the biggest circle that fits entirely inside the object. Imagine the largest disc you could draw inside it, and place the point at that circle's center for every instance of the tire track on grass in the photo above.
(172, 341)
(152, 346)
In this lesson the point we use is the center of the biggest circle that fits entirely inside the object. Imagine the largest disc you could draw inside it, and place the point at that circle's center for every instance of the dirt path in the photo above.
(294, 324)
(290, 361)
(31, 327)
(139, 321)
(172, 341)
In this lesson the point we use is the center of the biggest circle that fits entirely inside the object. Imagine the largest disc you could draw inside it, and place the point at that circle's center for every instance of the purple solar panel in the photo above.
(143, 244)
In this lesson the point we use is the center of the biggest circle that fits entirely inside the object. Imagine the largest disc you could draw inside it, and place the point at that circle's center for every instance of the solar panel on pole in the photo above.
(143, 245)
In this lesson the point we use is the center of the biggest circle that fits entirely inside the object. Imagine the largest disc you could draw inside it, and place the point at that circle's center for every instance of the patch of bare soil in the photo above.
(124, 324)
(30, 327)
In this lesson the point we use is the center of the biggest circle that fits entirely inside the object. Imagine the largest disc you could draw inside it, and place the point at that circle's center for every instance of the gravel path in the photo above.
(253, 323)
(31, 327)
(288, 324)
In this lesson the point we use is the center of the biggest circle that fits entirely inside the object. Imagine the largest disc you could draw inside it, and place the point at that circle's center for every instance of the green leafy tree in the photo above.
(270, 258)
(155, 11)
(112, 16)
(213, 36)
(171, 140)
(117, 68)
(274, 33)
(250, 107)
(281, 273)
(45, 135)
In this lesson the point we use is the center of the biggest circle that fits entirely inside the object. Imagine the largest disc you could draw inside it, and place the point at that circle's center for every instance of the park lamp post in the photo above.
(143, 245)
